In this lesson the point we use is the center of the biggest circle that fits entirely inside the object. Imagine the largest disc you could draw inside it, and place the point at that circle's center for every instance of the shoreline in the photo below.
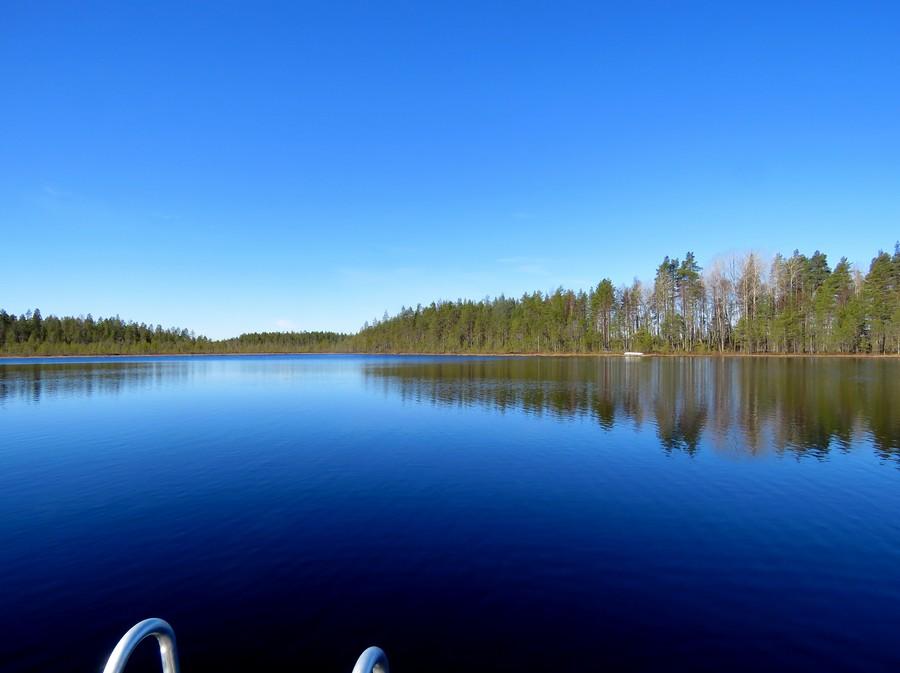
(458, 355)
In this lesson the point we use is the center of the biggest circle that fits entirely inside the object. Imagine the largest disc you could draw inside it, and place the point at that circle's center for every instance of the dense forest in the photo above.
(797, 304)
(33, 334)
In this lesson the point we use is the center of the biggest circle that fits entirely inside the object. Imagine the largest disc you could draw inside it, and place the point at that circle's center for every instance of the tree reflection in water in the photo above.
(805, 406)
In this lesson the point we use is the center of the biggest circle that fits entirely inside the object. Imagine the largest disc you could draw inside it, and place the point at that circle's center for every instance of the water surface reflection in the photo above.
(806, 406)
(30, 382)
(468, 514)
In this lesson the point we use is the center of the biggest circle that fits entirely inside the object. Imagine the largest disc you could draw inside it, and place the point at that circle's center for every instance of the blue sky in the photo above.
(232, 167)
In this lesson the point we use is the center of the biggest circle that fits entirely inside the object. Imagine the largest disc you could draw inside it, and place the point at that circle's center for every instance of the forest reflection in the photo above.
(806, 406)
(32, 382)
(747, 406)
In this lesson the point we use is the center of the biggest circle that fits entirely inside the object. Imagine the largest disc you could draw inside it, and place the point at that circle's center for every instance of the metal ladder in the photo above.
(372, 660)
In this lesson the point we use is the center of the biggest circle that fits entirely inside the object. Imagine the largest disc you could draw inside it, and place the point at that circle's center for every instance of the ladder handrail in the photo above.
(149, 627)
(372, 660)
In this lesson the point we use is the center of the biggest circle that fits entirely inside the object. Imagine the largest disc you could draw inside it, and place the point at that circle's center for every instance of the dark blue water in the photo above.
(283, 513)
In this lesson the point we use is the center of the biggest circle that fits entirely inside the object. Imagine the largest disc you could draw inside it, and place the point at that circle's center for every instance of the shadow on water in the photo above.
(805, 406)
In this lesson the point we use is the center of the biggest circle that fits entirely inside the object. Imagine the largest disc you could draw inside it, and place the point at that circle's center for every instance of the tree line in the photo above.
(797, 304)
(33, 334)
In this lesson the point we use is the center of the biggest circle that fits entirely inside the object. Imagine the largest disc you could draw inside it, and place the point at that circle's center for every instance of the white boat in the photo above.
(633, 354)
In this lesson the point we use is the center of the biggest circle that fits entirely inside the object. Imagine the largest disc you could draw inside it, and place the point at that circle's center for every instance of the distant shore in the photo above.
(460, 355)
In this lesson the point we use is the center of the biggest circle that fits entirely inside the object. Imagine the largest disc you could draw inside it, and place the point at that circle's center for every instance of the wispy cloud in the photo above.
(165, 217)
(54, 194)
(534, 266)
(285, 324)
(368, 275)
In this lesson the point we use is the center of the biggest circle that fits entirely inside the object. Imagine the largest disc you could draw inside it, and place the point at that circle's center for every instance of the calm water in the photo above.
(465, 514)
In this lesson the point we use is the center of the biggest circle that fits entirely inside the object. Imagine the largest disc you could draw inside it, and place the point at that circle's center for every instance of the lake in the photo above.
(465, 514)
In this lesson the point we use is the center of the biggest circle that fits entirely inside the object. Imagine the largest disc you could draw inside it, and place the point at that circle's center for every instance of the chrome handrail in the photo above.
(372, 660)
(149, 627)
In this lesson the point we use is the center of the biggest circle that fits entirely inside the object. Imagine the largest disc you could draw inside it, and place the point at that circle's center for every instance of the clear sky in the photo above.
(232, 167)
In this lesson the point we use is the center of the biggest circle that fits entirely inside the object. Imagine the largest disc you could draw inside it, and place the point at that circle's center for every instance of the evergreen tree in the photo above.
(800, 306)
